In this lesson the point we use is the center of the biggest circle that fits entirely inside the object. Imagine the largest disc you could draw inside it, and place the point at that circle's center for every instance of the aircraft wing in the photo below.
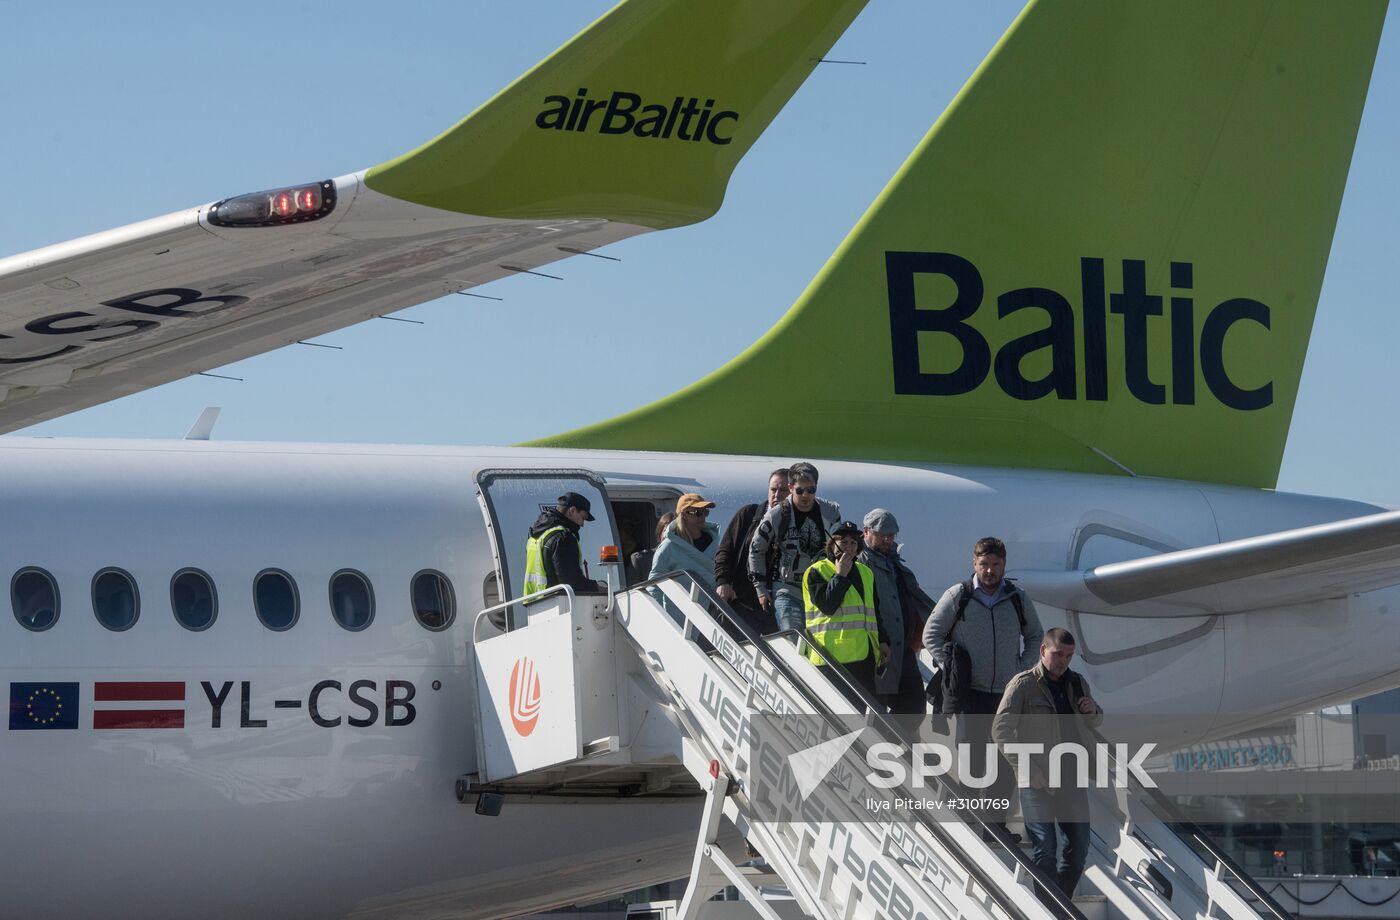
(118, 312)
(634, 125)
(1285, 568)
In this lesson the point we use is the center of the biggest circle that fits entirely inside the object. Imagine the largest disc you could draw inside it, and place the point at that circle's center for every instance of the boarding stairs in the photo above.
(744, 717)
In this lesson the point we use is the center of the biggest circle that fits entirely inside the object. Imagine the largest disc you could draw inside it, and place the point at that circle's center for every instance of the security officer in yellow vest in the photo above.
(553, 555)
(838, 595)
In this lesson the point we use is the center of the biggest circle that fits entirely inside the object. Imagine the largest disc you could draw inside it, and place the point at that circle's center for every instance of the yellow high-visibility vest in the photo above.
(535, 578)
(851, 632)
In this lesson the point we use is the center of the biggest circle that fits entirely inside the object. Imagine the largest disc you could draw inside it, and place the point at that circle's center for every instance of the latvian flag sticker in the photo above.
(138, 704)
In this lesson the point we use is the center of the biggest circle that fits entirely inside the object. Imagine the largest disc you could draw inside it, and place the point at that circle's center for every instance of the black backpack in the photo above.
(947, 690)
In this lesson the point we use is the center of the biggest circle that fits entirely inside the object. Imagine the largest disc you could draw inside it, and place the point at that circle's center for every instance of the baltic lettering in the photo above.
(1138, 311)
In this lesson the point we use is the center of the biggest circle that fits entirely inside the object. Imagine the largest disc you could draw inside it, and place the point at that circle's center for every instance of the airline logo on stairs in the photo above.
(525, 696)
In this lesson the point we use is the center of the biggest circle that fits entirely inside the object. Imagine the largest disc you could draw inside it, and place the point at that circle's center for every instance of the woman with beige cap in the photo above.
(690, 542)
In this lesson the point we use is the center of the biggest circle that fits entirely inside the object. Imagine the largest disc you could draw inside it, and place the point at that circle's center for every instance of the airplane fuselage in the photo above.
(309, 771)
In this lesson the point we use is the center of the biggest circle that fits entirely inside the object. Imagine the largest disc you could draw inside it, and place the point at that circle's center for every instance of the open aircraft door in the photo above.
(511, 500)
(546, 695)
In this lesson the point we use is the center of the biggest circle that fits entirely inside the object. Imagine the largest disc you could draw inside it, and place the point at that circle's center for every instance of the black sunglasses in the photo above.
(698, 512)
(801, 491)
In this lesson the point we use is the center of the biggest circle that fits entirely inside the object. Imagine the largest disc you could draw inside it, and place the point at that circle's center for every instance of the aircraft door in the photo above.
(512, 500)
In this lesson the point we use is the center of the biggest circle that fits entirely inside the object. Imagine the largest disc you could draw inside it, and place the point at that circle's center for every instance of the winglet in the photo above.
(640, 118)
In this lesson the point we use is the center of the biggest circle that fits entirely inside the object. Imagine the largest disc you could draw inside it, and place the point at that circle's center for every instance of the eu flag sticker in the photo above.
(43, 705)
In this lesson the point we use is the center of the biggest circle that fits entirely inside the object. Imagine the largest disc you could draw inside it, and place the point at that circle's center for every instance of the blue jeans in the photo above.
(788, 610)
(1044, 811)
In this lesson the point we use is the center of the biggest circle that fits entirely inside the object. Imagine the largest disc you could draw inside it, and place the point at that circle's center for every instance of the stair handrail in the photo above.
(563, 589)
(1176, 821)
(1064, 906)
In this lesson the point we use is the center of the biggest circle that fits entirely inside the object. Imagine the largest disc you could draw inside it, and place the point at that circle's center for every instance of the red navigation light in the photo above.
(283, 204)
(291, 205)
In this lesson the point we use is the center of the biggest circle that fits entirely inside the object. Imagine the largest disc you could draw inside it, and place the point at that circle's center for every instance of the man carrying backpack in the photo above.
(789, 538)
(983, 632)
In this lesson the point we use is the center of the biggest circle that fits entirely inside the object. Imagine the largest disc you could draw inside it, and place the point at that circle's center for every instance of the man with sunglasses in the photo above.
(788, 540)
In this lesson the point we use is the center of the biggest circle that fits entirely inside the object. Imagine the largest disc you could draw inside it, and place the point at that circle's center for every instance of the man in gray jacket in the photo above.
(903, 609)
(996, 625)
(789, 538)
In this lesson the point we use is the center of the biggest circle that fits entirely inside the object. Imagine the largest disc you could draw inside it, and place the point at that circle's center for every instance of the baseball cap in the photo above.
(846, 527)
(575, 500)
(882, 522)
(692, 500)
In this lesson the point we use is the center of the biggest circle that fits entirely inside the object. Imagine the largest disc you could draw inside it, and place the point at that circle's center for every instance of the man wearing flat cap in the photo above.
(553, 555)
(903, 609)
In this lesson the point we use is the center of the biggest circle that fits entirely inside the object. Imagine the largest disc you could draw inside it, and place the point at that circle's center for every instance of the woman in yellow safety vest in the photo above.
(838, 594)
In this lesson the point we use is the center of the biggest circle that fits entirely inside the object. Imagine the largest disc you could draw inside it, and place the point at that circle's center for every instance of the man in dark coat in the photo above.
(904, 607)
(732, 580)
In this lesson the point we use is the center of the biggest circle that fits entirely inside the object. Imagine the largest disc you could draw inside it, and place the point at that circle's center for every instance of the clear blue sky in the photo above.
(118, 112)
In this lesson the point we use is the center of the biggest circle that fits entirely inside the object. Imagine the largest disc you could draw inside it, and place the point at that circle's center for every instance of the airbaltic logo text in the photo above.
(1145, 330)
(685, 119)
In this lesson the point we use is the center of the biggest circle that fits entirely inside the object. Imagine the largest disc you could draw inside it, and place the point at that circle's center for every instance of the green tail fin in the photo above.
(1109, 246)
(639, 118)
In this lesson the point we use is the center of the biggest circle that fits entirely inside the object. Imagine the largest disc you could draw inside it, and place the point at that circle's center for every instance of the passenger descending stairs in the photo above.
(752, 716)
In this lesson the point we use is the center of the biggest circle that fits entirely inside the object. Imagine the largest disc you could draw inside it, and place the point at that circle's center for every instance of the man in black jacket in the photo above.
(732, 581)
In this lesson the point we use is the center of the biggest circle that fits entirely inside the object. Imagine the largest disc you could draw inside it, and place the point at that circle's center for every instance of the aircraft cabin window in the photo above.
(352, 599)
(193, 600)
(34, 598)
(433, 602)
(275, 597)
(114, 599)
